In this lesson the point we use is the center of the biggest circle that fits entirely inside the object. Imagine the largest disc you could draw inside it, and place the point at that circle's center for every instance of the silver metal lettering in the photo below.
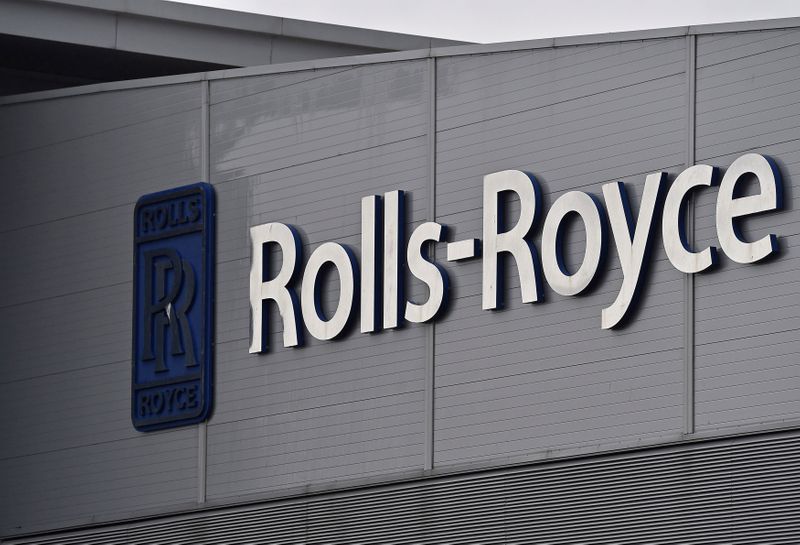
(497, 240)
(729, 207)
(462, 249)
(556, 273)
(633, 240)
(369, 264)
(673, 221)
(393, 236)
(344, 261)
(430, 273)
(275, 289)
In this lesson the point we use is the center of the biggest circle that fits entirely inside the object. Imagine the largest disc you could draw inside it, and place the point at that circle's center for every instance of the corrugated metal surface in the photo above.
(748, 316)
(726, 492)
(507, 385)
(72, 170)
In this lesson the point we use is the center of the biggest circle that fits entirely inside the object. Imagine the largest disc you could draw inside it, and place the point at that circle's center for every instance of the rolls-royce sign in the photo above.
(385, 256)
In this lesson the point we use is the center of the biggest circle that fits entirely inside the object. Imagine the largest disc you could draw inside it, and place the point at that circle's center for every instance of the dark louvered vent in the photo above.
(721, 492)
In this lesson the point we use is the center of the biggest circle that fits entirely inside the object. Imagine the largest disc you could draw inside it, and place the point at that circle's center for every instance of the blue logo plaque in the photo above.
(173, 304)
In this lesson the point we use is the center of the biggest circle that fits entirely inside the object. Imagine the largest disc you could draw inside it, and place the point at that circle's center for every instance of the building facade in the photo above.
(525, 423)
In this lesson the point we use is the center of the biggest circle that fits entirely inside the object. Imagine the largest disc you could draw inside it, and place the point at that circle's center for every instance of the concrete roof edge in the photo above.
(582, 39)
(745, 26)
(448, 51)
(623, 36)
(318, 64)
(311, 30)
(95, 88)
(258, 23)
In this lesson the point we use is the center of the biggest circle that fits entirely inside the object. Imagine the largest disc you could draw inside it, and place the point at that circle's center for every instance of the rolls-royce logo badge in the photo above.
(173, 305)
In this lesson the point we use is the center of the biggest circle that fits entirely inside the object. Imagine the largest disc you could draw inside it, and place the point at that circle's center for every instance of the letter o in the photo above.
(556, 273)
(344, 261)
(161, 217)
(157, 403)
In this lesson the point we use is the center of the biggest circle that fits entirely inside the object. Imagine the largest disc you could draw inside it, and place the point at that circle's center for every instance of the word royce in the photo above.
(384, 259)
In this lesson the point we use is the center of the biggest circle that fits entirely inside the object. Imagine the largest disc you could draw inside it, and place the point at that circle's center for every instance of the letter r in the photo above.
(276, 289)
(497, 239)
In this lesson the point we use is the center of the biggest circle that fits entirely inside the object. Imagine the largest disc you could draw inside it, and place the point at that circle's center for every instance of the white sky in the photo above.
(490, 21)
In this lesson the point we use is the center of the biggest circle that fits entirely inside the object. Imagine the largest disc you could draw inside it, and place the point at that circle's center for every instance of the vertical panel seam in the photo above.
(689, 363)
(205, 170)
(430, 336)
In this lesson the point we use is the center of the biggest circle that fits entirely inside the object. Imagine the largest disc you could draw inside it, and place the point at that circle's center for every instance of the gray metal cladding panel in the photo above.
(223, 90)
(529, 381)
(72, 171)
(748, 316)
(59, 406)
(69, 486)
(325, 116)
(83, 154)
(731, 492)
(482, 87)
(83, 330)
(89, 250)
(303, 149)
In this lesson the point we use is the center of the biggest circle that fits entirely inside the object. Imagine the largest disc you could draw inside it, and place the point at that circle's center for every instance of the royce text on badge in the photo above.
(173, 307)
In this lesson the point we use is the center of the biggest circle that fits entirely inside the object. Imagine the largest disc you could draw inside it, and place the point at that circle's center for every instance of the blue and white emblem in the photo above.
(173, 307)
